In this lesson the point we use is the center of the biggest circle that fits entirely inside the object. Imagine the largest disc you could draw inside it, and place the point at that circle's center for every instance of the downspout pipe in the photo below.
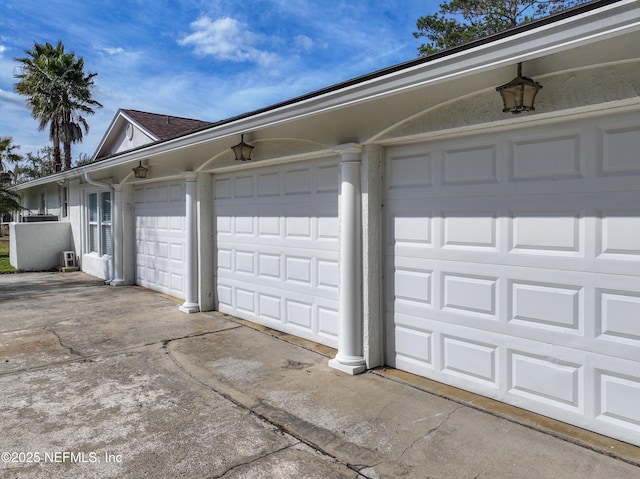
(101, 184)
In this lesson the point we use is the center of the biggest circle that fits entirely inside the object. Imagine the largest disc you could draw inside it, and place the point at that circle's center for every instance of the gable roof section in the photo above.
(164, 127)
(156, 127)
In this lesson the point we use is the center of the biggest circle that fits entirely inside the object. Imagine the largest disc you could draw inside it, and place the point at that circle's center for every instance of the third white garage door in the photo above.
(513, 268)
(161, 237)
(277, 247)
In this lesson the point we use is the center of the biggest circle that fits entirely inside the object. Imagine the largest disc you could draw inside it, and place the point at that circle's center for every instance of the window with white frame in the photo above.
(99, 210)
(64, 201)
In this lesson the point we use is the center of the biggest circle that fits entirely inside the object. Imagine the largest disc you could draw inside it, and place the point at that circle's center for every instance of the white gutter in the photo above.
(100, 184)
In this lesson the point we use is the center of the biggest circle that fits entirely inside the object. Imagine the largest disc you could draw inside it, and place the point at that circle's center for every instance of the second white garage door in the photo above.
(160, 237)
(513, 265)
(277, 247)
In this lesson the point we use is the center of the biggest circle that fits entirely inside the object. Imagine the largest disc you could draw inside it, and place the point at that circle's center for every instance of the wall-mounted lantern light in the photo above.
(140, 171)
(519, 94)
(242, 151)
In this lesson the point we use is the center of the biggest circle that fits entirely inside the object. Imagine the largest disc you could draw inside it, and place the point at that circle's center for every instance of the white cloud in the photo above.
(112, 51)
(303, 42)
(2, 49)
(226, 39)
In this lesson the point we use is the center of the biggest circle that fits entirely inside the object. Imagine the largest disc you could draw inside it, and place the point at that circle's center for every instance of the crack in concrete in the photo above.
(252, 411)
(88, 357)
(72, 351)
(246, 463)
(430, 432)
(426, 435)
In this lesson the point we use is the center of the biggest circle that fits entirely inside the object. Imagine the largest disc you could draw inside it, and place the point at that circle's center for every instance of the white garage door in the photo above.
(160, 237)
(277, 247)
(513, 268)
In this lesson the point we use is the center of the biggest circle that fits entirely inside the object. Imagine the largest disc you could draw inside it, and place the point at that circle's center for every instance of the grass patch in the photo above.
(5, 266)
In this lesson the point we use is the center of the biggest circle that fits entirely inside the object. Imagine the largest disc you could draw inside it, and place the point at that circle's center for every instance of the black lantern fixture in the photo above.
(242, 151)
(519, 94)
(140, 171)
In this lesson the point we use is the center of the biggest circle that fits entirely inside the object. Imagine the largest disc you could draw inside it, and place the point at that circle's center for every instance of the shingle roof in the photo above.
(165, 127)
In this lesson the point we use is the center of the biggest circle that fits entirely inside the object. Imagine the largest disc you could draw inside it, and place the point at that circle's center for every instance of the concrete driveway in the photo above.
(101, 382)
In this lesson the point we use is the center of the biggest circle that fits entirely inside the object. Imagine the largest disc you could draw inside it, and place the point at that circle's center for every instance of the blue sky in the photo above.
(207, 60)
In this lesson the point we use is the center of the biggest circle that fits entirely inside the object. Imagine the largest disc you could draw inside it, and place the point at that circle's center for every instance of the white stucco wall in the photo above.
(560, 91)
(124, 143)
(75, 215)
(98, 266)
(37, 246)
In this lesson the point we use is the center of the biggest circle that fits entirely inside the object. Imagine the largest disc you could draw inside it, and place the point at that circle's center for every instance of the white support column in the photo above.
(350, 357)
(372, 256)
(206, 287)
(190, 304)
(117, 237)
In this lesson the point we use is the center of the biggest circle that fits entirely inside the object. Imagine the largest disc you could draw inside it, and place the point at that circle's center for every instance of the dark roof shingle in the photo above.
(165, 127)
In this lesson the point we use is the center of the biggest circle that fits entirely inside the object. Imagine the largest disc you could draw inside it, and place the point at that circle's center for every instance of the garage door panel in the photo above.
(471, 165)
(613, 308)
(297, 312)
(274, 244)
(618, 230)
(277, 240)
(544, 305)
(160, 237)
(469, 359)
(547, 158)
(469, 294)
(551, 236)
(617, 399)
(550, 231)
(620, 148)
(556, 383)
(512, 269)
(292, 280)
(571, 308)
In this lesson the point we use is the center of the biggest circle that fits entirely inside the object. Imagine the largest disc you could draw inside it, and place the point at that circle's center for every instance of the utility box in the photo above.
(68, 262)
(68, 259)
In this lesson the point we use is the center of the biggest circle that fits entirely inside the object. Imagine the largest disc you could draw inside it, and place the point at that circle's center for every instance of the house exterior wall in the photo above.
(33, 254)
(125, 141)
(567, 91)
(98, 266)
(597, 78)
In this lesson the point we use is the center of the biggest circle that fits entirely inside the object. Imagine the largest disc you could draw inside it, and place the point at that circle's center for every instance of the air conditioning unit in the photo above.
(68, 262)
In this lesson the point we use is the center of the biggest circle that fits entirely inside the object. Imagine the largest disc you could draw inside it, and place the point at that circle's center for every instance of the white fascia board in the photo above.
(107, 134)
(119, 120)
(609, 21)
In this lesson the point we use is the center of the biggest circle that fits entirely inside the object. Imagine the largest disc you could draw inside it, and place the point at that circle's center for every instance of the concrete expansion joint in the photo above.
(166, 342)
(252, 410)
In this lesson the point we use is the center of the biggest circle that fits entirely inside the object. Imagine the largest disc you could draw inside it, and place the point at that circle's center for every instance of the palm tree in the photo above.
(9, 201)
(76, 101)
(58, 93)
(7, 155)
